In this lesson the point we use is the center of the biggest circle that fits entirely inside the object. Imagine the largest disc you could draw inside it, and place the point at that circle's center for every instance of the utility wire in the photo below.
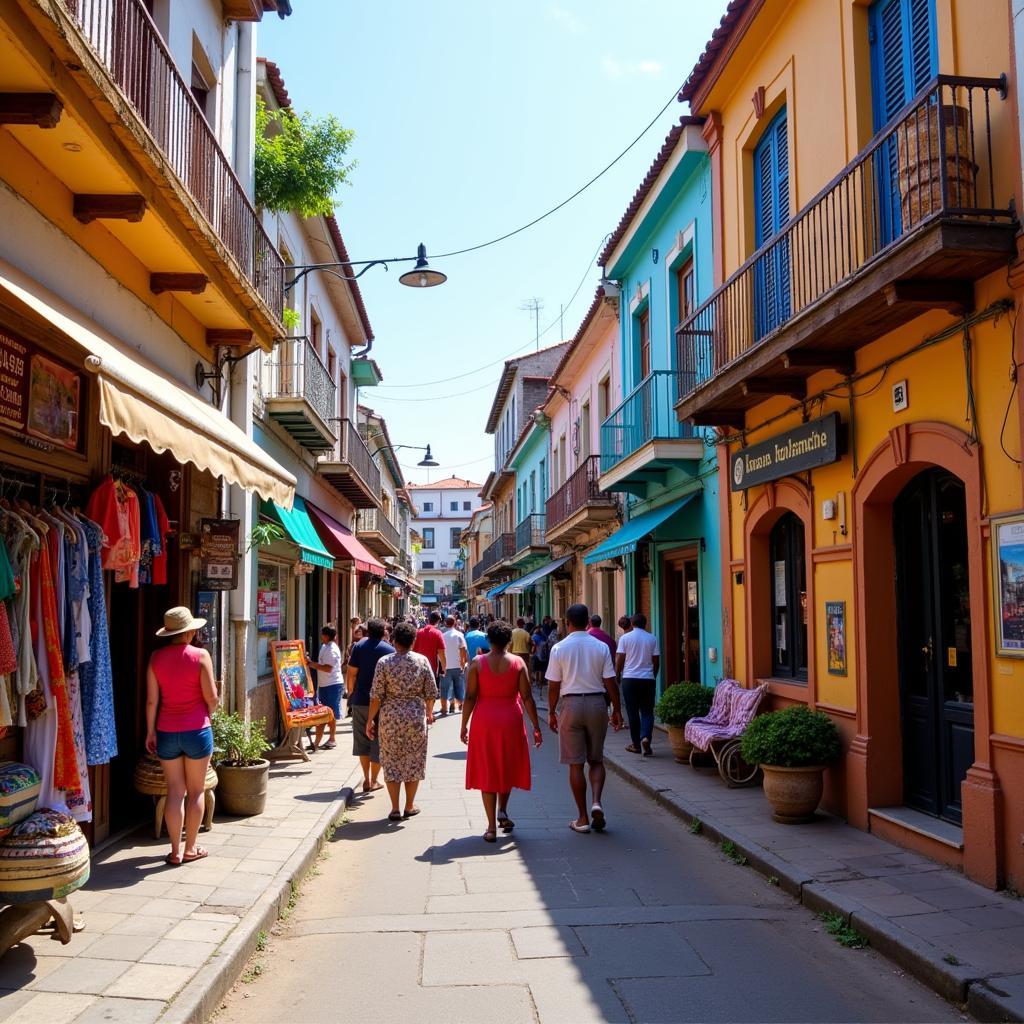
(432, 398)
(498, 362)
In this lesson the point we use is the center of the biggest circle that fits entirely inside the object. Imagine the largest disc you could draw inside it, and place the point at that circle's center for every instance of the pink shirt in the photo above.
(182, 704)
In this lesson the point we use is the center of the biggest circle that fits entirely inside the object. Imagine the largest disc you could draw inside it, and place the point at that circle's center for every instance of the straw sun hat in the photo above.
(179, 620)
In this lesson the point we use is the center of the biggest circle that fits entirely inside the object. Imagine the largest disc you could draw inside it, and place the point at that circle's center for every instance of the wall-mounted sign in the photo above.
(1008, 578)
(218, 553)
(812, 444)
(39, 397)
(835, 623)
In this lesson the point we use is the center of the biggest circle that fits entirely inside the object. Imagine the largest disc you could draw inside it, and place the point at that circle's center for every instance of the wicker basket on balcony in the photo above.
(921, 175)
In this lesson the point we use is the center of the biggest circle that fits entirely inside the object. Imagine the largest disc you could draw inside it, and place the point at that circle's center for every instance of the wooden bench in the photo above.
(295, 698)
(720, 731)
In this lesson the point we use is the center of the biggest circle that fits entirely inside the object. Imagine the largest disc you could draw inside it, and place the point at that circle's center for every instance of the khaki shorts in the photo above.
(582, 726)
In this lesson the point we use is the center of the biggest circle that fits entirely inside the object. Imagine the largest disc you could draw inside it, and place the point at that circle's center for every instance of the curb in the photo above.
(206, 990)
(957, 983)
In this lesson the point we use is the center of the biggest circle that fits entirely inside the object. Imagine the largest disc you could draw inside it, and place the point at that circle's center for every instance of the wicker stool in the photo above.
(43, 860)
(149, 779)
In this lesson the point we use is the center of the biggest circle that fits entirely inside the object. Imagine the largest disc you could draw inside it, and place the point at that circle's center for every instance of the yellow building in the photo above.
(859, 356)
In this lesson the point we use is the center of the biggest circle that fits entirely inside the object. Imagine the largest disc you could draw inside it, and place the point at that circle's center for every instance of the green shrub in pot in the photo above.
(676, 706)
(793, 746)
(242, 771)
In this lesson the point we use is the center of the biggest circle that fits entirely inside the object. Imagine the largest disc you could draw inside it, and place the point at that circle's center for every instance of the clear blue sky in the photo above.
(471, 118)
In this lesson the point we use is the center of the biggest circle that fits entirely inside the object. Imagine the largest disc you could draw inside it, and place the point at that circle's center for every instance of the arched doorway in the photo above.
(935, 666)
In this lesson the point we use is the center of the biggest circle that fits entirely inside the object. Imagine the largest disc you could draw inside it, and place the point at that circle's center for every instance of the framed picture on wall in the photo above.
(835, 624)
(1008, 582)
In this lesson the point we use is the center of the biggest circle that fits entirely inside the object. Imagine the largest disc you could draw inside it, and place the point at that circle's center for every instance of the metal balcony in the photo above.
(579, 504)
(350, 469)
(499, 552)
(530, 536)
(300, 395)
(377, 532)
(907, 226)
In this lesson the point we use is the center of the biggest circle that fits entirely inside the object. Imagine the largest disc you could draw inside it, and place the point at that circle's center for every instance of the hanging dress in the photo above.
(96, 674)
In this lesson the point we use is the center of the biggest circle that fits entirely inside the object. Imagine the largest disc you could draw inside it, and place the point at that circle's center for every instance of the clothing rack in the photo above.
(128, 474)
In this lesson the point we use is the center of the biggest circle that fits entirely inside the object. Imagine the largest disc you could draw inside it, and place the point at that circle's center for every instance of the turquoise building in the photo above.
(660, 258)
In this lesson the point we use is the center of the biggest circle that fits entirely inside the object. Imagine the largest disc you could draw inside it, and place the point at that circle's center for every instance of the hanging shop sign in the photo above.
(807, 446)
(40, 398)
(218, 553)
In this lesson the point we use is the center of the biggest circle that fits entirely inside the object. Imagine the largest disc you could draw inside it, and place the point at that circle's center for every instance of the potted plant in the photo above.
(793, 748)
(676, 706)
(242, 771)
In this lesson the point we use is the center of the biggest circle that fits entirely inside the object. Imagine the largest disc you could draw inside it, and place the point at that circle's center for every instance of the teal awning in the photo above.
(500, 589)
(301, 531)
(625, 539)
(519, 585)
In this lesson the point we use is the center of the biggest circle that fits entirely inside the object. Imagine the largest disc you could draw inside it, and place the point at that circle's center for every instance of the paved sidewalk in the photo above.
(960, 938)
(162, 940)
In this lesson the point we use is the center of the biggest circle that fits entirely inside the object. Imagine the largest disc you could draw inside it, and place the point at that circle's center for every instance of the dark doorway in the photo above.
(681, 601)
(314, 611)
(934, 622)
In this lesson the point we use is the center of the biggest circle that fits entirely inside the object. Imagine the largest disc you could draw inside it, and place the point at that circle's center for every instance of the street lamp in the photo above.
(427, 462)
(421, 275)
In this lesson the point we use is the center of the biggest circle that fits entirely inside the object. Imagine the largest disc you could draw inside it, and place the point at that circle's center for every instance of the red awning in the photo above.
(343, 544)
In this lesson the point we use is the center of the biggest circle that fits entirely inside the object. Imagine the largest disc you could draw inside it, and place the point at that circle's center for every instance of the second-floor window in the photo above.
(455, 538)
(643, 330)
(684, 290)
(315, 332)
(428, 506)
(771, 211)
(454, 506)
(428, 537)
(427, 565)
(604, 399)
(467, 506)
(200, 90)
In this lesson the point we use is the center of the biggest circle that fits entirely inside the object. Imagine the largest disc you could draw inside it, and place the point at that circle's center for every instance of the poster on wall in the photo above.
(209, 636)
(835, 624)
(1008, 579)
(218, 553)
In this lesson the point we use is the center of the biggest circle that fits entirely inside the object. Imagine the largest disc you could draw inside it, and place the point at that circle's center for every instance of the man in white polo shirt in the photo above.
(637, 660)
(581, 687)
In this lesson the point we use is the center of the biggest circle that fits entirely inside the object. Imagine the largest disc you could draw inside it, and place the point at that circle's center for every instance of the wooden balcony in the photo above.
(908, 226)
(579, 504)
(378, 533)
(299, 394)
(643, 439)
(350, 469)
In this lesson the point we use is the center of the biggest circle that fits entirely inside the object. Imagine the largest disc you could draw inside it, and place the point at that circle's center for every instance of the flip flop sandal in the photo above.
(648, 751)
(329, 745)
(490, 837)
(395, 816)
(597, 818)
(173, 861)
(411, 813)
(631, 749)
(200, 853)
(582, 829)
(506, 824)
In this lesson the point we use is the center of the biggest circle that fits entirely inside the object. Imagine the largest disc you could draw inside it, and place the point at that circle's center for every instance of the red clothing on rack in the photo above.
(164, 529)
(115, 508)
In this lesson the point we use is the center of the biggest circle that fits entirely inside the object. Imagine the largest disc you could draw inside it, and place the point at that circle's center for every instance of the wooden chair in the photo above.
(720, 731)
(295, 698)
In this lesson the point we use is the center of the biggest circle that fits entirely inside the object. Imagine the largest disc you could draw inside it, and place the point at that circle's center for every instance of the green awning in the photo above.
(301, 531)
(625, 539)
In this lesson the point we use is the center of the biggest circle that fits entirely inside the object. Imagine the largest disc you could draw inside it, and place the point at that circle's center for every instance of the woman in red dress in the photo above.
(497, 690)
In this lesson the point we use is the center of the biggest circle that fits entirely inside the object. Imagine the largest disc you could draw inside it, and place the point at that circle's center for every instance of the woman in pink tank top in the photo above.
(180, 695)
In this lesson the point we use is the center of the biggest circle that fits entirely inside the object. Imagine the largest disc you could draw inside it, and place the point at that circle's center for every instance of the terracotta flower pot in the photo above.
(242, 791)
(680, 747)
(794, 793)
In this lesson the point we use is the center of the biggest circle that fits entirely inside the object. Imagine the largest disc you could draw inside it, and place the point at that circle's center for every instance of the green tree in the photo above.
(300, 160)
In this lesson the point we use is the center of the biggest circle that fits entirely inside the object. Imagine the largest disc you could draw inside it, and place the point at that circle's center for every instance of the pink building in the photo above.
(585, 387)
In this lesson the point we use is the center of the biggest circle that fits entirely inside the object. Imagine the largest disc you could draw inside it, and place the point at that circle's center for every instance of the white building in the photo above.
(442, 511)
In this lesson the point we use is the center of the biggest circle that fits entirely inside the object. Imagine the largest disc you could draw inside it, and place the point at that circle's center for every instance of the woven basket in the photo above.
(19, 794)
(149, 777)
(920, 170)
(45, 857)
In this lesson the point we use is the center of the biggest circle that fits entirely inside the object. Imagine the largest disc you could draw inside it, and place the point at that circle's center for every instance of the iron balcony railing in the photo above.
(295, 370)
(404, 559)
(352, 451)
(503, 548)
(579, 491)
(124, 37)
(373, 520)
(932, 160)
(530, 532)
(478, 571)
(645, 415)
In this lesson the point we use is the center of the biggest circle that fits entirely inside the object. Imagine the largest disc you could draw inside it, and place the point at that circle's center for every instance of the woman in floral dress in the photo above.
(404, 691)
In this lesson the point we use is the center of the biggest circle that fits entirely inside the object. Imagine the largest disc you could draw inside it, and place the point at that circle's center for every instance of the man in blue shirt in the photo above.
(359, 679)
(476, 640)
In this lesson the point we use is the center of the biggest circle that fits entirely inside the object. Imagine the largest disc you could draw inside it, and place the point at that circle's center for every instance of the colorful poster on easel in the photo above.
(292, 672)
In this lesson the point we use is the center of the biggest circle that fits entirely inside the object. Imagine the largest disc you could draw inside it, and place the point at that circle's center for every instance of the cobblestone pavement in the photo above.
(423, 921)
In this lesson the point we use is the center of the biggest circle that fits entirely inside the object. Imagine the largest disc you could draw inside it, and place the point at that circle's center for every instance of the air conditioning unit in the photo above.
(444, 565)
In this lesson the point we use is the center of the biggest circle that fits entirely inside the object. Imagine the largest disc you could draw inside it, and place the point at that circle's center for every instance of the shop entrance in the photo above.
(681, 601)
(934, 623)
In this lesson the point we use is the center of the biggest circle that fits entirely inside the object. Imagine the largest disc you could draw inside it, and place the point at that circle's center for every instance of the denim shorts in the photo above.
(331, 696)
(194, 744)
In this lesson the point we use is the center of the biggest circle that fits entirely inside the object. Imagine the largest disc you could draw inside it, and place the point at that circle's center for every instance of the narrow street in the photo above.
(423, 921)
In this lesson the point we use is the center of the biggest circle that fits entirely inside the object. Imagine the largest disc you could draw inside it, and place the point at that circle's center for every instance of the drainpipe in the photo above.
(245, 106)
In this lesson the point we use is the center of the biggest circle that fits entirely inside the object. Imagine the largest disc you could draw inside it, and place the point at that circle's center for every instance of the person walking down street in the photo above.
(181, 694)
(581, 688)
(453, 684)
(430, 643)
(476, 640)
(403, 693)
(359, 681)
(498, 759)
(358, 633)
(539, 658)
(330, 681)
(625, 624)
(637, 661)
(522, 642)
(596, 631)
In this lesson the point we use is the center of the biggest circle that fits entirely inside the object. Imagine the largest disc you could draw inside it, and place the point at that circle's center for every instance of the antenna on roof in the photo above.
(534, 306)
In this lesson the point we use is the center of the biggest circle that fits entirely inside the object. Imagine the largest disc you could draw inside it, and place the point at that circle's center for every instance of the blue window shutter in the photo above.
(904, 53)
(781, 143)
(923, 62)
(771, 212)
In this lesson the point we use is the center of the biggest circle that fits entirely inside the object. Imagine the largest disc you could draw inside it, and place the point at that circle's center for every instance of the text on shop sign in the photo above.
(812, 444)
